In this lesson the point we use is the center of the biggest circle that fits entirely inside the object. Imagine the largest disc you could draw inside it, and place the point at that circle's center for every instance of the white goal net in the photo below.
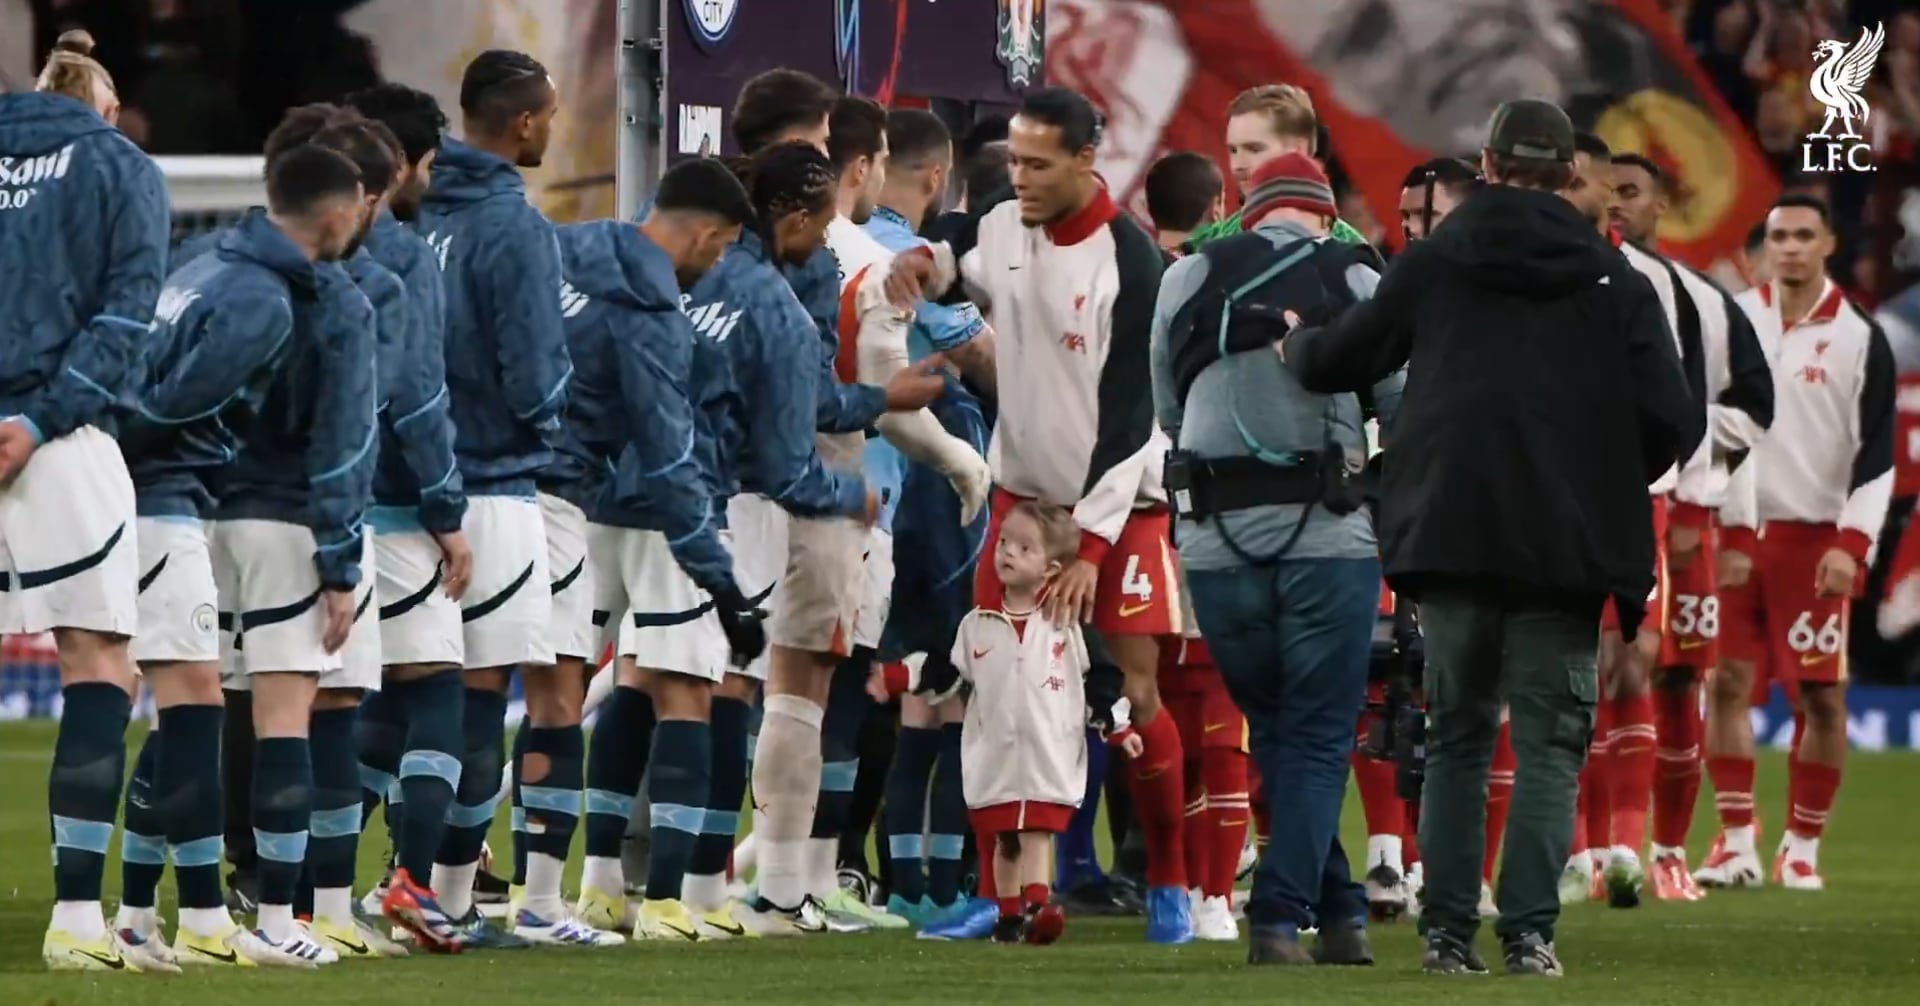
(208, 193)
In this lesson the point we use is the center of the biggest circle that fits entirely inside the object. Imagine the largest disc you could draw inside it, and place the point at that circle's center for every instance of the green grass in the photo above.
(1854, 944)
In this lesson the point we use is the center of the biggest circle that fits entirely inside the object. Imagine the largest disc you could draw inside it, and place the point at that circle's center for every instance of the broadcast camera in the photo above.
(1396, 719)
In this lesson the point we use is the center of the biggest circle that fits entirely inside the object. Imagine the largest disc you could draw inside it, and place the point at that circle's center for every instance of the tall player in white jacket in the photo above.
(1800, 521)
(1724, 359)
(872, 349)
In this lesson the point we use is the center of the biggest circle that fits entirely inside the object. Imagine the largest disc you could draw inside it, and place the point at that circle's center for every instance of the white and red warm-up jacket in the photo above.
(1025, 736)
(1828, 458)
(1071, 306)
(1727, 369)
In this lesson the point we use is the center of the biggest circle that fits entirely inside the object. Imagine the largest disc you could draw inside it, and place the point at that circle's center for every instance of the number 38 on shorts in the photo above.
(1692, 628)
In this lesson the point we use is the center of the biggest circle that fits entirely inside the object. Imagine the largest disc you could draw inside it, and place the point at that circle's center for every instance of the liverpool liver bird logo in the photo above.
(1839, 78)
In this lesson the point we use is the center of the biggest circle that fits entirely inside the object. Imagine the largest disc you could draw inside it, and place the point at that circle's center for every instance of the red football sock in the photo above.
(1732, 789)
(1227, 805)
(1814, 786)
(1630, 787)
(1009, 906)
(1197, 825)
(1386, 813)
(1676, 774)
(1499, 798)
(1156, 781)
(1410, 839)
(1595, 782)
(1034, 895)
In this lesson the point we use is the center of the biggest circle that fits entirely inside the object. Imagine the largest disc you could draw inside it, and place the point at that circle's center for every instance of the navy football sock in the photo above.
(83, 789)
(517, 814)
(1074, 860)
(143, 833)
(552, 807)
(484, 730)
(622, 741)
(847, 705)
(236, 779)
(677, 791)
(380, 736)
(948, 829)
(726, 787)
(429, 772)
(907, 782)
(282, 810)
(187, 780)
(335, 823)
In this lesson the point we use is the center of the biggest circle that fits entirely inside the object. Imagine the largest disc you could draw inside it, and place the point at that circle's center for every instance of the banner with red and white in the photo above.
(1398, 81)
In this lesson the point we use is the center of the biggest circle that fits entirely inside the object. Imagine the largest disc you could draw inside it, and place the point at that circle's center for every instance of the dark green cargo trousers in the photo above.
(1485, 650)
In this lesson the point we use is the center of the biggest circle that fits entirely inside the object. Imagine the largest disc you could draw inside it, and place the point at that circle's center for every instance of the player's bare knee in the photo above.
(282, 701)
(486, 679)
(1732, 685)
(88, 656)
(1825, 706)
(183, 683)
(739, 688)
(403, 673)
(330, 699)
(680, 696)
(554, 697)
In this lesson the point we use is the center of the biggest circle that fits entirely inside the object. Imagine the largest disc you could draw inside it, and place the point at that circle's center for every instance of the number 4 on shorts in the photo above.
(1135, 582)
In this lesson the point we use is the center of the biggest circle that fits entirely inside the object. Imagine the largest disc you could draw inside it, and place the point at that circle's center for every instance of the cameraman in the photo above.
(1281, 562)
(1546, 395)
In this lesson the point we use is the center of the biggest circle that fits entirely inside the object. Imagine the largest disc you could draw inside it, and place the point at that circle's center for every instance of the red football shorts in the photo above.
(1021, 815)
(1778, 620)
(1194, 694)
(1139, 589)
(1689, 620)
(1609, 618)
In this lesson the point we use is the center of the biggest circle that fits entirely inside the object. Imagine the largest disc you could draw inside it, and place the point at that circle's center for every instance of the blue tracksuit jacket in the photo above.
(756, 374)
(223, 326)
(633, 451)
(83, 250)
(304, 446)
(842, 408)
(507, 364)
(414, 476)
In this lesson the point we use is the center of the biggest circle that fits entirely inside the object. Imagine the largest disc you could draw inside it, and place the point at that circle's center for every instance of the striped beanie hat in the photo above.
(1290, 180)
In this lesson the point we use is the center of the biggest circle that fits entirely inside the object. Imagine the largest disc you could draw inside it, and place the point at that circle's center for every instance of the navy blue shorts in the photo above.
(933, 555)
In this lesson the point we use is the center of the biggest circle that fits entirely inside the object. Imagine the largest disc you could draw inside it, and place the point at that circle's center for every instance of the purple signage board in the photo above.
(969, 50)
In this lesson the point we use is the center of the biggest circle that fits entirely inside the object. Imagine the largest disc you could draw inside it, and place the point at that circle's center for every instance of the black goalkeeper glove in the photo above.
(743, 624)
(937, 680)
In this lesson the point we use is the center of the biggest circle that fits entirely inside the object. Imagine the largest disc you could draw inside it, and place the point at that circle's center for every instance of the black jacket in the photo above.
(1543, 395)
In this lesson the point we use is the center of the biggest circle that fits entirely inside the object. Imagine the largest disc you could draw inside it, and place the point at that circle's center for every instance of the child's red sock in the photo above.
(1676, 774)
(1732, 789)
(1196, 825)
(1630, 747)
(1595, 780)
(1034, 895)
(1499, 798)
(1227, 812)
(1156, 781)
(1814, 786)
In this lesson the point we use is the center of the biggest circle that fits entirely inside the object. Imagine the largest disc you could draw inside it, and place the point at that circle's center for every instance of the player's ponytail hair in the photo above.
(71, 69)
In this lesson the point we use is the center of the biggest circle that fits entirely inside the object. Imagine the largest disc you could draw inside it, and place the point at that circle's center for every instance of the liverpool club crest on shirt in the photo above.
(1022, 46)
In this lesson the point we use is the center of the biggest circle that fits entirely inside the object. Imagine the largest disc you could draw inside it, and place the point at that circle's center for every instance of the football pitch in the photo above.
(1857, 943)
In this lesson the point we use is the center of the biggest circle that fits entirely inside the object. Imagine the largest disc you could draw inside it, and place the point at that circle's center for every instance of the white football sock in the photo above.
(140, 920)
(703, 893)
(334, 904)
(786, 789)
(277, 922)
(1384, 850)
(1740, 839)
(746, 855)
(824, 855)
(453, 888)
(541, 894)
(83, 920)
(205, 921)
(601, 873)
